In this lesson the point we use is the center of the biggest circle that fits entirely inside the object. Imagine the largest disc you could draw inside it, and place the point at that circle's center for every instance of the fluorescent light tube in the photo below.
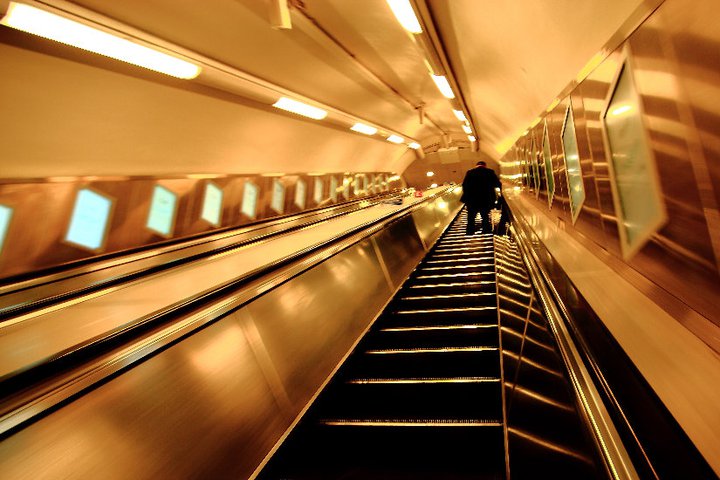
(54, 27)
(414, 145)
(395, 139)
(443, 85)
(405, 14)
(471, 138)
(362, 128)
(460, 115)
(467, 129)
(300, 108)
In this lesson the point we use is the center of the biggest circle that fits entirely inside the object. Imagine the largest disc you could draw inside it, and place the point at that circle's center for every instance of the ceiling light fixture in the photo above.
(414, 145)
(300, 108)
(405, 14)
(460, 115)
(467, 129)
(430, 174)
(395, 139)
(362, 128)
(443, 85)
(471, 138)
(54, 27)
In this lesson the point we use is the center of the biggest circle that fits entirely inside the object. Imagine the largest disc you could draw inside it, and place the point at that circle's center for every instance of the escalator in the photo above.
(431, 391)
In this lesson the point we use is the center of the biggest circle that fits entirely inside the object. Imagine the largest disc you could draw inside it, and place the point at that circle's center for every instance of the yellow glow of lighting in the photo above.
(621, 110)
(434, 185)
(471, 138)
(54, 27)
(300, 108)
(460, 115)
(443, 86)
(590, 66)
(467, 129)
(405, 14)
(430, 174)
(554, 104)
(395, 139)
(362, 128)
(414, 145)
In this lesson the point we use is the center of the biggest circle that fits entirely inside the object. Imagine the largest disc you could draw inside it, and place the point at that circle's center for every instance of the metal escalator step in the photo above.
(413, 401)
(429, 365)
(429, 317)
(411, 423)
(354, 452)
(431, 338)
(447, 300)
(425, 380)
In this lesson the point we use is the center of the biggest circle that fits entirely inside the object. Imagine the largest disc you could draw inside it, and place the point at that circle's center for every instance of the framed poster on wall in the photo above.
(212, 204)
(573, 171)
(249, 200)
(633, 174)
(5, 217)
(547, 162)
(90, 220)
(161, 216)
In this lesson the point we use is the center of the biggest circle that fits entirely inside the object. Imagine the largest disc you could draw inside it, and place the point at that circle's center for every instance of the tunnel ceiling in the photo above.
(510, 59)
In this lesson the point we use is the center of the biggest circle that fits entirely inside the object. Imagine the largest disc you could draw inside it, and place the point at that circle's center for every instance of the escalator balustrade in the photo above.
(421, 396)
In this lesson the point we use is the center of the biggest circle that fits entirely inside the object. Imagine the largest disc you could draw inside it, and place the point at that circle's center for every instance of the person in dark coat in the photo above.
(479, 195)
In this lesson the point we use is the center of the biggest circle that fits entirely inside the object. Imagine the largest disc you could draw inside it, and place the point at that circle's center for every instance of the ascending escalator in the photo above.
(422, 395)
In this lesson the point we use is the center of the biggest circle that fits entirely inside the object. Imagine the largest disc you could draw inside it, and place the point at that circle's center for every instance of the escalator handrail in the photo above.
(605, 435)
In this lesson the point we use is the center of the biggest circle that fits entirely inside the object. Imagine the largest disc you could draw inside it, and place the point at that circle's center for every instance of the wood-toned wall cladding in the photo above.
(652, 202)
(47, 223)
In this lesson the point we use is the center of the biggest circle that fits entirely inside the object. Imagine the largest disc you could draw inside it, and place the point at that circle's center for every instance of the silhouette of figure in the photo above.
(479, 195)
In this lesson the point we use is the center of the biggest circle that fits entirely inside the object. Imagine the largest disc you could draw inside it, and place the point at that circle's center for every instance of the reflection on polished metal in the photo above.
(520, 304)
(515, 291)
(533, 364)
(394, 351)
(550, 445)
(413, 423)
(439, 327)
(445, 255)
(512, 280)
(445, 310)
(527, 339)
(541, 398)
(365, 381)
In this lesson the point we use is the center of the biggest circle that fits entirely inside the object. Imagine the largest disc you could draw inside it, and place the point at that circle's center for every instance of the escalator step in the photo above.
(419, 300)
(413, 402)
(428, 365)
(397, 453)
(433, 337)
(437, 317)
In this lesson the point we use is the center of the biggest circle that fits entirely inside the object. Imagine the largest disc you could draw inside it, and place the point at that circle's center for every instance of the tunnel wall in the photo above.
(659, 299)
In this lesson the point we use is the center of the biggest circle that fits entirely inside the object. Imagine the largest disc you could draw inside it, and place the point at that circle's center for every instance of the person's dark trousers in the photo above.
(471, 214)
(485, 225)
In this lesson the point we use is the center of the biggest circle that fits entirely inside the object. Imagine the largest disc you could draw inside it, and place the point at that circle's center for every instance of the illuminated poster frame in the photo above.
(346, 187)
(248, 207)
(300, 193)
(549, 173)
(161, 217)
(277, 202)
(572, 162)
(212, 204)
(631, 164)
(82, 214)
(318, 190)
(333, 189)
(535, 165)
(6, 214)
(356, 185)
